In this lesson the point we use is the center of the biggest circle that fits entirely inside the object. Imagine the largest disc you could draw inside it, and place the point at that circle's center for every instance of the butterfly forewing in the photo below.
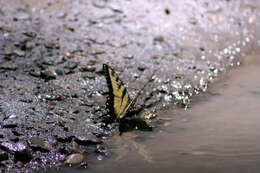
(120, 99)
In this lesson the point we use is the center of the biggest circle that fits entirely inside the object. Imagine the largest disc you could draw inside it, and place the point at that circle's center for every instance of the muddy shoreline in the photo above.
(52, 88)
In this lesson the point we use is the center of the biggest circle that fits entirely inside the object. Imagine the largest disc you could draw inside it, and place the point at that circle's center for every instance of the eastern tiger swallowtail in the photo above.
(119, 101)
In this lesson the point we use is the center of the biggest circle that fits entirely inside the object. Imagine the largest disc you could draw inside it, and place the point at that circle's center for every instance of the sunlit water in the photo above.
(219, 133)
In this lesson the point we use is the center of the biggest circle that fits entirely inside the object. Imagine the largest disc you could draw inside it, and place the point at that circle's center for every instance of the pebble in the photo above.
(49, 74)
(63, 137)
(87, 139)
(38, 144)
(35, 73)
(74, 159)
(71, 65)
(92, 62)
(158, 39)
(87, 68)
(19, 53)
(141, 68)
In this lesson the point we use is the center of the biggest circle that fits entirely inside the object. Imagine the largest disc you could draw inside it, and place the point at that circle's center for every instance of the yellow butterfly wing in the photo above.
(120, 101)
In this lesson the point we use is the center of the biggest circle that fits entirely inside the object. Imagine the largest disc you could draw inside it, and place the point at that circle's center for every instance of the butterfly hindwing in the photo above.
(119, 100)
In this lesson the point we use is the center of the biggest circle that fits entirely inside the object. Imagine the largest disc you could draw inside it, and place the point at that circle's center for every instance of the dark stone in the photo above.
(86, 140)
(88, 68)
(26, 100)
(35, 73)
(3, 156)
(1, 135)
(24, 156)
(71, 65)
(14, 138)
(89, 76)
(63, 137)
(67, 71)
(60, 72)
(167, 11)
(141, 68)
(16, 133)
(92, 62)
(158, 39)
(63, 149)
(48, 61)
(19, 150)
(10, 123)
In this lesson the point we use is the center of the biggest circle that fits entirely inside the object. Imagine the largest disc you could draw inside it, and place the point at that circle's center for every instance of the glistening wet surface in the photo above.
(220, 133)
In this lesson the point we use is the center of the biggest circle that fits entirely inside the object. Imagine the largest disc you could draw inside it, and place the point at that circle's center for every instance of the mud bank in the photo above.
(52, 89)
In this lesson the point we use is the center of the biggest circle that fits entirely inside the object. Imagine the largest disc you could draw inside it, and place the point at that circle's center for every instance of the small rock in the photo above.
(89, 76)
(16, 133)
(48, 61)
(13, 138)
(158, 39)
(35, 73)
(193, 21)
(87, 68)
(30, 34)
(167, 11)
(59, 72)
(1, 135)
(67, 71)
(71, 65)
(37, 144)
(10, 123)
(54, 97)
(129, 57)
(19, 53)
(92, 62)
(87, 139)
(63, 149)
(141, 68)
(60, 60)
(63, 137)
(49, 74)
(74, 159)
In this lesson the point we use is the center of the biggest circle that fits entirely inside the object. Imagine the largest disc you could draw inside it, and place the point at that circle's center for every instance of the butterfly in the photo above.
(119, 101)
(120, 104)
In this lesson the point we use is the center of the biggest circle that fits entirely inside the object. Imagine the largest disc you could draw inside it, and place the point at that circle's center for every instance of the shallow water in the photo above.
(220, 133)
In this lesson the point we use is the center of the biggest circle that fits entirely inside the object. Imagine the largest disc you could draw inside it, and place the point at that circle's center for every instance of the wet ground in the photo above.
(220, 133)
(53, 91)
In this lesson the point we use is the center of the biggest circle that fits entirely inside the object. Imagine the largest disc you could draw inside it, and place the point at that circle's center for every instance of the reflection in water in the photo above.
(220, 133)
